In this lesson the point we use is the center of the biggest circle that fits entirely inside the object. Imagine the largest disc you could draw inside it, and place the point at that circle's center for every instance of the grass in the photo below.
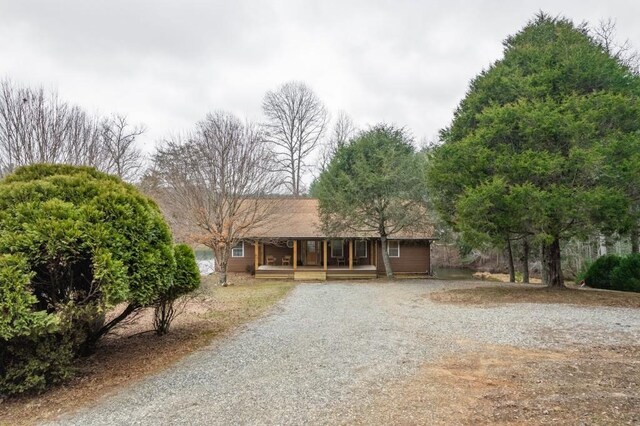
(506, 385)
(132, 354)
(494, 295)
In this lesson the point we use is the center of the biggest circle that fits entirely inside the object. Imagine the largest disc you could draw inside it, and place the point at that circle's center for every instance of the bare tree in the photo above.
(343, 131)
(215, 181)
(122, 157)
(605, 34)
(37, 127)
(296, 122)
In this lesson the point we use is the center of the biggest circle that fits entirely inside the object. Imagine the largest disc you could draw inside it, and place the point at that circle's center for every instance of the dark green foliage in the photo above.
(599, 273)
(374, 184)
(626, 276)
(186, 280)
(74, 242)
(534, 149)
(615, 273)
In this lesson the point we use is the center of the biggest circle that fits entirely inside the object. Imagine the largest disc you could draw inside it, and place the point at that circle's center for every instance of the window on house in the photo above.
(337, 249)
(393, 248)
(238, 250)
(361, 248)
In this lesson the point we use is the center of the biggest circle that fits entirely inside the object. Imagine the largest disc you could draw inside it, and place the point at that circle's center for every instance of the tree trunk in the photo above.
(634, 240)
(525, 261)
(602, 245)
(512, 269)
(88, 346)
(222, 254)
(551, 265)
(385, 257)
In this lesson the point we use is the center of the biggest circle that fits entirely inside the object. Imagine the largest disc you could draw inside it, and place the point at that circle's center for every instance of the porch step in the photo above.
(310, 275)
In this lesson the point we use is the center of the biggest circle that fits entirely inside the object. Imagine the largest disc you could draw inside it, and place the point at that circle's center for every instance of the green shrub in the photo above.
(599, 273)
(615, 273)
(186, 280)
(74, 242)
(626, 276)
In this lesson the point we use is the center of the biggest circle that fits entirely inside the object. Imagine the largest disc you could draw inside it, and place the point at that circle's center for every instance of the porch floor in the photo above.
(316, 273)
(315, 268)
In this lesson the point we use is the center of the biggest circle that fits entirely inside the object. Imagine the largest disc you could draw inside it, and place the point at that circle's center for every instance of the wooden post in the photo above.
(324, 254)
(375, 253)
(295, 254)
(256, 253)
(371, 253)
(350, 255)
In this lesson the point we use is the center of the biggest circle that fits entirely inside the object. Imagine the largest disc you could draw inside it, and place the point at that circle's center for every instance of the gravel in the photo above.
(322, 354)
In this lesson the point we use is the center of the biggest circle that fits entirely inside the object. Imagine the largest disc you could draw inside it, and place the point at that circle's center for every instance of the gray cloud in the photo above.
(166, 63)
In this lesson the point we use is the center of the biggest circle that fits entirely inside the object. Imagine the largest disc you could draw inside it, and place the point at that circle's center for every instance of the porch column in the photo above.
(324, 254)
(295, 254)
(350, 254)
(371, 253)
(256, 254)
(375, 253)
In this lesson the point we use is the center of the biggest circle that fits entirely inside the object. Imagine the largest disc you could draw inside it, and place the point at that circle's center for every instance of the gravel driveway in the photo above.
(322, 353)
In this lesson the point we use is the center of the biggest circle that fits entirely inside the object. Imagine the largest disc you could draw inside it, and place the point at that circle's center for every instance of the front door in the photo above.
(312, 253)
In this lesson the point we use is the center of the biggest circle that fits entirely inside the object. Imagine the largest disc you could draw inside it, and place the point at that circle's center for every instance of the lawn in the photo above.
(133, 352)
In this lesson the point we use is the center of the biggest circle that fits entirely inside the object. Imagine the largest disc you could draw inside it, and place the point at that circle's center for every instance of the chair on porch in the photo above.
(271, 260)
(341, 261)
(286, 260)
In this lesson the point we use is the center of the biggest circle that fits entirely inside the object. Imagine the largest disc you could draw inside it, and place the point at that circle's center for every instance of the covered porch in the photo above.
(315, 259)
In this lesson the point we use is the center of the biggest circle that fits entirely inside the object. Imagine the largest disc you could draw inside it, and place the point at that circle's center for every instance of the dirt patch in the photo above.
(504, 278)
(505, 385)
(495, 295)
(132, 353)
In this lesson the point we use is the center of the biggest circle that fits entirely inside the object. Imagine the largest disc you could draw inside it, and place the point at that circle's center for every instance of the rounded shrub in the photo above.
(599, 273)
(626, 275)
(74, 242)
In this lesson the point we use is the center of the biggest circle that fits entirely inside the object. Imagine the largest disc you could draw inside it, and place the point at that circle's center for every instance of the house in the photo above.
(291, 245)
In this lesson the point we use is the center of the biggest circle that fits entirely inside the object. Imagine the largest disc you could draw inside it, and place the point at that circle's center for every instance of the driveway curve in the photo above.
(324, 352)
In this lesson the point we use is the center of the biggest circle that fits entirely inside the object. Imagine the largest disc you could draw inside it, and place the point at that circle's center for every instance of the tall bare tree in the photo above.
(343, 131)
(214, 183)
(37, 127)
(296, 123)
(121, 155)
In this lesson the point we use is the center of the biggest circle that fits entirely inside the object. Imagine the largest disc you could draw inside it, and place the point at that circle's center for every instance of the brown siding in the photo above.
(414, 258)
(240, 264)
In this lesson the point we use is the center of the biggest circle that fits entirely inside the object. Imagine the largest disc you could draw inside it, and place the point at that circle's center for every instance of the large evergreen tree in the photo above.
(374, 185)
(529, 145)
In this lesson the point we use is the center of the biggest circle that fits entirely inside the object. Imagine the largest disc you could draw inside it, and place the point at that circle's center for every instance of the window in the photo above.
(337, 249)
(238, 250)
(393, 248)
(361, 248)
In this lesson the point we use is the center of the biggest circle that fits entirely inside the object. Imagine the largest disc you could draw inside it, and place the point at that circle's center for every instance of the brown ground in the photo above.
(128, 356)
(505, 385)
(517, 293)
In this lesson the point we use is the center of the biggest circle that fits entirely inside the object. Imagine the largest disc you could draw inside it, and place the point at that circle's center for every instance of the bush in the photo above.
(626, 276)
(599, 273)
(186, 280)
(74, 242)
(615, 273)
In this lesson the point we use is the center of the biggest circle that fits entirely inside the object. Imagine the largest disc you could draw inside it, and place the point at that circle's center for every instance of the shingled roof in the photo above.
(298, 218)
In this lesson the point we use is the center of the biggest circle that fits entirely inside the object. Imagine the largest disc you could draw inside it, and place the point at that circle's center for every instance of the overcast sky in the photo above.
(166, 63)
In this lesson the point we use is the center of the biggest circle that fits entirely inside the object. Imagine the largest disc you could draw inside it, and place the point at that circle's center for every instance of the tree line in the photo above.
(543, 149)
